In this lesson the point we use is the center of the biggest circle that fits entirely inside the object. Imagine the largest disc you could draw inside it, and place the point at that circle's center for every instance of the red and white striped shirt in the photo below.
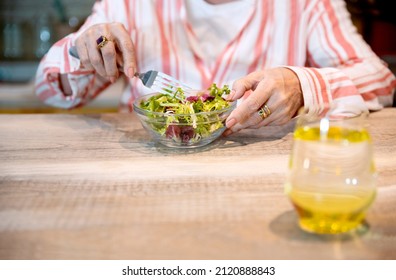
(315, 38)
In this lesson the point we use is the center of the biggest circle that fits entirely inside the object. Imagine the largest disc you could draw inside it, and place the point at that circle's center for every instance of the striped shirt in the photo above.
(200, 44)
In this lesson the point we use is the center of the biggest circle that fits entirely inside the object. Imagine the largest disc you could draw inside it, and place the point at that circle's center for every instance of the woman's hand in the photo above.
(118, 51)
(278, 88)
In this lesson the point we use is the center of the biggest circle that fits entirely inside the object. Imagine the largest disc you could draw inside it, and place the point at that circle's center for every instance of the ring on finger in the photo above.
(102, 41)
(264, 111)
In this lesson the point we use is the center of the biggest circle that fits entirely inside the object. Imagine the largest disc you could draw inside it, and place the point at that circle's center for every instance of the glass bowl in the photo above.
(187, 130)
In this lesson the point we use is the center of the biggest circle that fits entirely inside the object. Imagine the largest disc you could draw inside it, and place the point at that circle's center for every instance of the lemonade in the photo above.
(331, 180)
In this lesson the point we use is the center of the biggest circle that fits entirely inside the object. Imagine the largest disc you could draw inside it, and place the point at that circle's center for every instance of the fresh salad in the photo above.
(187, 119)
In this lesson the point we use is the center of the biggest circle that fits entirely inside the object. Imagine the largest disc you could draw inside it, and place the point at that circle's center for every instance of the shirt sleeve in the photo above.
(85, 85)
(341, 67)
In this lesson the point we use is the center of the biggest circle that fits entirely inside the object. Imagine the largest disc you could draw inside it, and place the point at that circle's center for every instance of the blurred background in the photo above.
(29, 27)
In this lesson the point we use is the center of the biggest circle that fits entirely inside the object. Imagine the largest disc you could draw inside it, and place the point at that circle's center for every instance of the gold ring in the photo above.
(102, 41)
(264, 112)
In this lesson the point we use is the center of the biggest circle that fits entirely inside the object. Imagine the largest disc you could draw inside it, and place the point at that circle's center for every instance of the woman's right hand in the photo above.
(118, 51)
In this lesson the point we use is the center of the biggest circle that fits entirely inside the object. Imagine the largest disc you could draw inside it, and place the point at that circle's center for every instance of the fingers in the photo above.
(126, 47)
(83, 55)
(254, 120)
(279, 89)
(95, 56)
(247, 110)
(118, 50)
(110, 62)
(243, 85)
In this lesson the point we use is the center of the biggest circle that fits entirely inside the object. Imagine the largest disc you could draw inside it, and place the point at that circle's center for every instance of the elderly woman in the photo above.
(278, 55)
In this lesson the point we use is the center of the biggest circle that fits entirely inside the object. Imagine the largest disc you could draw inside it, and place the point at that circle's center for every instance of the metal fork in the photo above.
(160, 81)
(155, 80)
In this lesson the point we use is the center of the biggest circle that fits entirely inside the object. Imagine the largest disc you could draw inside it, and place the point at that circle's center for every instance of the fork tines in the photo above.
(161, 82)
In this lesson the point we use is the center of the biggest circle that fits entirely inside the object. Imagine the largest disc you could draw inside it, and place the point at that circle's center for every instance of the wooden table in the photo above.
(97, 187)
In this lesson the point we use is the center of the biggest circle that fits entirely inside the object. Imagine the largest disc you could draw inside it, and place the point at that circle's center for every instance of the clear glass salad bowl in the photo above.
(184, 119)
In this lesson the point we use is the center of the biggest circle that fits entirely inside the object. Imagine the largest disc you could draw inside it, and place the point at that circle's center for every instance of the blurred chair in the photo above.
(376, 21)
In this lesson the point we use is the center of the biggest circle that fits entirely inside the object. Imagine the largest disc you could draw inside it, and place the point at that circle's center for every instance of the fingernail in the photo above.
(227, 132)
(131, 72)
(230, 123)
(112, 80)
(232, 94)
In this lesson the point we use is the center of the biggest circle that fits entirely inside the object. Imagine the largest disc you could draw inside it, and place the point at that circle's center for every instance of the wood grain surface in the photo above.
(97, 187)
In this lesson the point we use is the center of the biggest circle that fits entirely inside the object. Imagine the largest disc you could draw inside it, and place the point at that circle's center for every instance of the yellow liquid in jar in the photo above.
(332, 204)
(333, 133)
(327, 213)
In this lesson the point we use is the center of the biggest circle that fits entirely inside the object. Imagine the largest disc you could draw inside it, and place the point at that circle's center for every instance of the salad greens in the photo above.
(187, 119)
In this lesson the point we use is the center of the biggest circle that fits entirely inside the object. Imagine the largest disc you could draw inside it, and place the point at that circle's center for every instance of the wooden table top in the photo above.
(97, 187)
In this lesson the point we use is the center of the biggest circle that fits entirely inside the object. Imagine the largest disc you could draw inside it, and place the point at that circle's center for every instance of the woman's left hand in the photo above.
(274, 99)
